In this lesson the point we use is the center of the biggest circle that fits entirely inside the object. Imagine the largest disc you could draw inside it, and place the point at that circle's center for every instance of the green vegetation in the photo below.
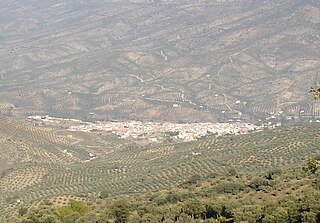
(313, 164)
(315, 92)
(289, 197)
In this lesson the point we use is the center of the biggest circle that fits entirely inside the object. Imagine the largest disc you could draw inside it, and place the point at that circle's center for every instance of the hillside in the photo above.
(159, 60)
(277, 196)
(45, 165)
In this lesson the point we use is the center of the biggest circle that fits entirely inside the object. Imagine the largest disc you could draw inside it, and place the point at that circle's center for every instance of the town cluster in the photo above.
(186, 132)
(150, 130)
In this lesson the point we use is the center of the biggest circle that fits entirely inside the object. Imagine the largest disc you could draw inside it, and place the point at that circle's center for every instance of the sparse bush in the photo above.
(259, 183)
(229, 187)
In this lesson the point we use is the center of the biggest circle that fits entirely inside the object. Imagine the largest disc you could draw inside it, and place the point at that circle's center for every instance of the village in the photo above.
(153, 131)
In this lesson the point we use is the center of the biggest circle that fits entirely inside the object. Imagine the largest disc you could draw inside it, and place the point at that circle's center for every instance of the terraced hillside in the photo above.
(58, 168)
(159, 60)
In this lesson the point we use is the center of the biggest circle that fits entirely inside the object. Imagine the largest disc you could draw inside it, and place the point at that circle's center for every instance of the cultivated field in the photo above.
(44, 166)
